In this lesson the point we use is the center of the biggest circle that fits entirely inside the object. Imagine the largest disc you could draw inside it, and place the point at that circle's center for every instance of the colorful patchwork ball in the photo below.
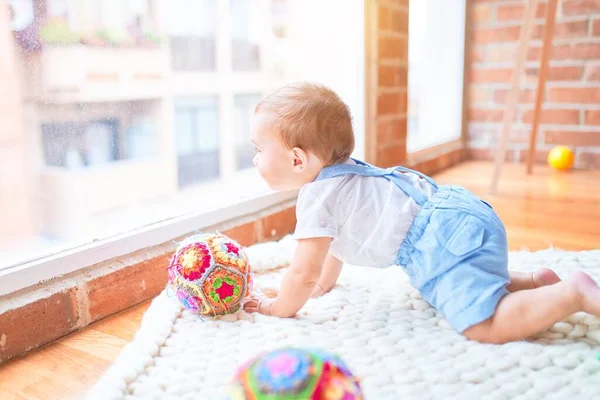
(210, 274)
(292, 373)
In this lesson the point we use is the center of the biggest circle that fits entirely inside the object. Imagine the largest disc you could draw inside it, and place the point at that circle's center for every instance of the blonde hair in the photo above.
(314, 118)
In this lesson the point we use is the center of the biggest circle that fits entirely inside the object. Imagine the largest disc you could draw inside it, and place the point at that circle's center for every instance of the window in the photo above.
(191, 27)
(197, 137)
(76, 145)
(78, 137)
(244, 109)
(246, 25)
(435, 72)
(111, 135)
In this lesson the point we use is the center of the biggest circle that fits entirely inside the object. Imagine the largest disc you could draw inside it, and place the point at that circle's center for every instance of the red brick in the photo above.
(393, 47)
(592, 117)
(478, 134)
(127, 287)
(481, 13)
(392, 103)
(485, 115)
(571, 73)
(564, 30)
(477, 54)
(479, 95)
(558, 52)
(38, 323)
(596, 27)
(592, 72)
(580, 7)
(384, 18)
(588, 159)
(572, 138)
(495, 35)
(516, 12)
(498, 53)
(586, 51)
(552, 116)
(540, 156)
(389, 156)
(246, 234)
(574, 95)
(507, 53)
(389, 131)
(490, 75)
(525, 96)
(392, 76)
(515, 136)
(400, 21)
(280, 224)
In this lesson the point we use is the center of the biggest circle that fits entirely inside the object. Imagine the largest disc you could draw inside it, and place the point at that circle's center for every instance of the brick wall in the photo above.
(392, 90)
(386, 52)
(14, 194)
(571, 110)
(61, 306)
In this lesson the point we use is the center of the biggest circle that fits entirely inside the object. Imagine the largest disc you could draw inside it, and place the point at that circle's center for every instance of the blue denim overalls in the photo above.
(455, 253)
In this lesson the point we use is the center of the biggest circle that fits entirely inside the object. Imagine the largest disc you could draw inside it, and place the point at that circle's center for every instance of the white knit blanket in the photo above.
(393, 340)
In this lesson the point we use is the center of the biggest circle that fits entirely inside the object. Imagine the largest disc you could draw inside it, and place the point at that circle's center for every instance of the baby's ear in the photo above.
(299, 159)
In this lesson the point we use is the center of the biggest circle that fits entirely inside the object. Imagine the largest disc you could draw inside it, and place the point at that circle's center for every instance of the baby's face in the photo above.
(275, 162)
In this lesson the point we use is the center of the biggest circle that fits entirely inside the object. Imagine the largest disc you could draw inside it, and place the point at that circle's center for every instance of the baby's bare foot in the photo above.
(544, 277)
(587, 291)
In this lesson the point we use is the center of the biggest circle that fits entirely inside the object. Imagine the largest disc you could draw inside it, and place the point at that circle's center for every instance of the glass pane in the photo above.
(191, 27)
(435, 72)
(245, 25)
(244, 109)
(197, 137)
(103, 133)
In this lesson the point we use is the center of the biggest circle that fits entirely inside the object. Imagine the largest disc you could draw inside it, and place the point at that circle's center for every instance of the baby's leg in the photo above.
(531, 280)
(524, 313)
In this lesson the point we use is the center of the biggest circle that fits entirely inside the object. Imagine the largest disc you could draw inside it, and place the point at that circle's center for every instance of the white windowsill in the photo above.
(241, 195)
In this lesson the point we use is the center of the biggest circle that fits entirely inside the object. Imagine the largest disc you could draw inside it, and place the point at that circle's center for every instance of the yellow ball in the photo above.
(561, 158)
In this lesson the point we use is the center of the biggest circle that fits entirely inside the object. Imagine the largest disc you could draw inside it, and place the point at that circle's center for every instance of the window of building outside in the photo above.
(191, 26)
(435, 72)
(197, 136)
(132, 111)
(246, 25)
(244, 109)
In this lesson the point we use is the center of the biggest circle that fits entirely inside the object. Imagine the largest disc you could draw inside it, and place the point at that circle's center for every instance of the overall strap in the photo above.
(365, 169)
(402, 169)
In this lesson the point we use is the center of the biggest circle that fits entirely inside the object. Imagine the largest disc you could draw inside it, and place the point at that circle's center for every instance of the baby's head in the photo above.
(298, 130)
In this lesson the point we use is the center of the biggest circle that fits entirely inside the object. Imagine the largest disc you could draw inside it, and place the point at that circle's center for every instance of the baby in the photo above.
(451, 244)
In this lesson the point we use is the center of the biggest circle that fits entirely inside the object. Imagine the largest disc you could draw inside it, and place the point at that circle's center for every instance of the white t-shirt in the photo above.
(367, 217)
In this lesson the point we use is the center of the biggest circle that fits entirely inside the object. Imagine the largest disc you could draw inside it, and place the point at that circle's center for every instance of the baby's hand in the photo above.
(260, 305)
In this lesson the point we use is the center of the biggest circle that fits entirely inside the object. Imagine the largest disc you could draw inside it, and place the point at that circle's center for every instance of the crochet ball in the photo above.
(292, 373)
(210, 274)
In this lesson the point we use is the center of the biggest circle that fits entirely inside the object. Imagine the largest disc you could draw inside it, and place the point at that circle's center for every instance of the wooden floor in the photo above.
(546, 209)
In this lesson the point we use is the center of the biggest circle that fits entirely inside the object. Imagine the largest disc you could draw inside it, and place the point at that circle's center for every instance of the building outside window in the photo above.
(191, 27)
(244, 109)
(197, 136)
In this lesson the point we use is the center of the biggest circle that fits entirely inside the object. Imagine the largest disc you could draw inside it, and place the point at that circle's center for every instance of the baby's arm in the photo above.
(299, 280)
(331, 272)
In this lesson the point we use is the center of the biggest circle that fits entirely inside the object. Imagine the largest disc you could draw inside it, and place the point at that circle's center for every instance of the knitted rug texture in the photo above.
(398, 345)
